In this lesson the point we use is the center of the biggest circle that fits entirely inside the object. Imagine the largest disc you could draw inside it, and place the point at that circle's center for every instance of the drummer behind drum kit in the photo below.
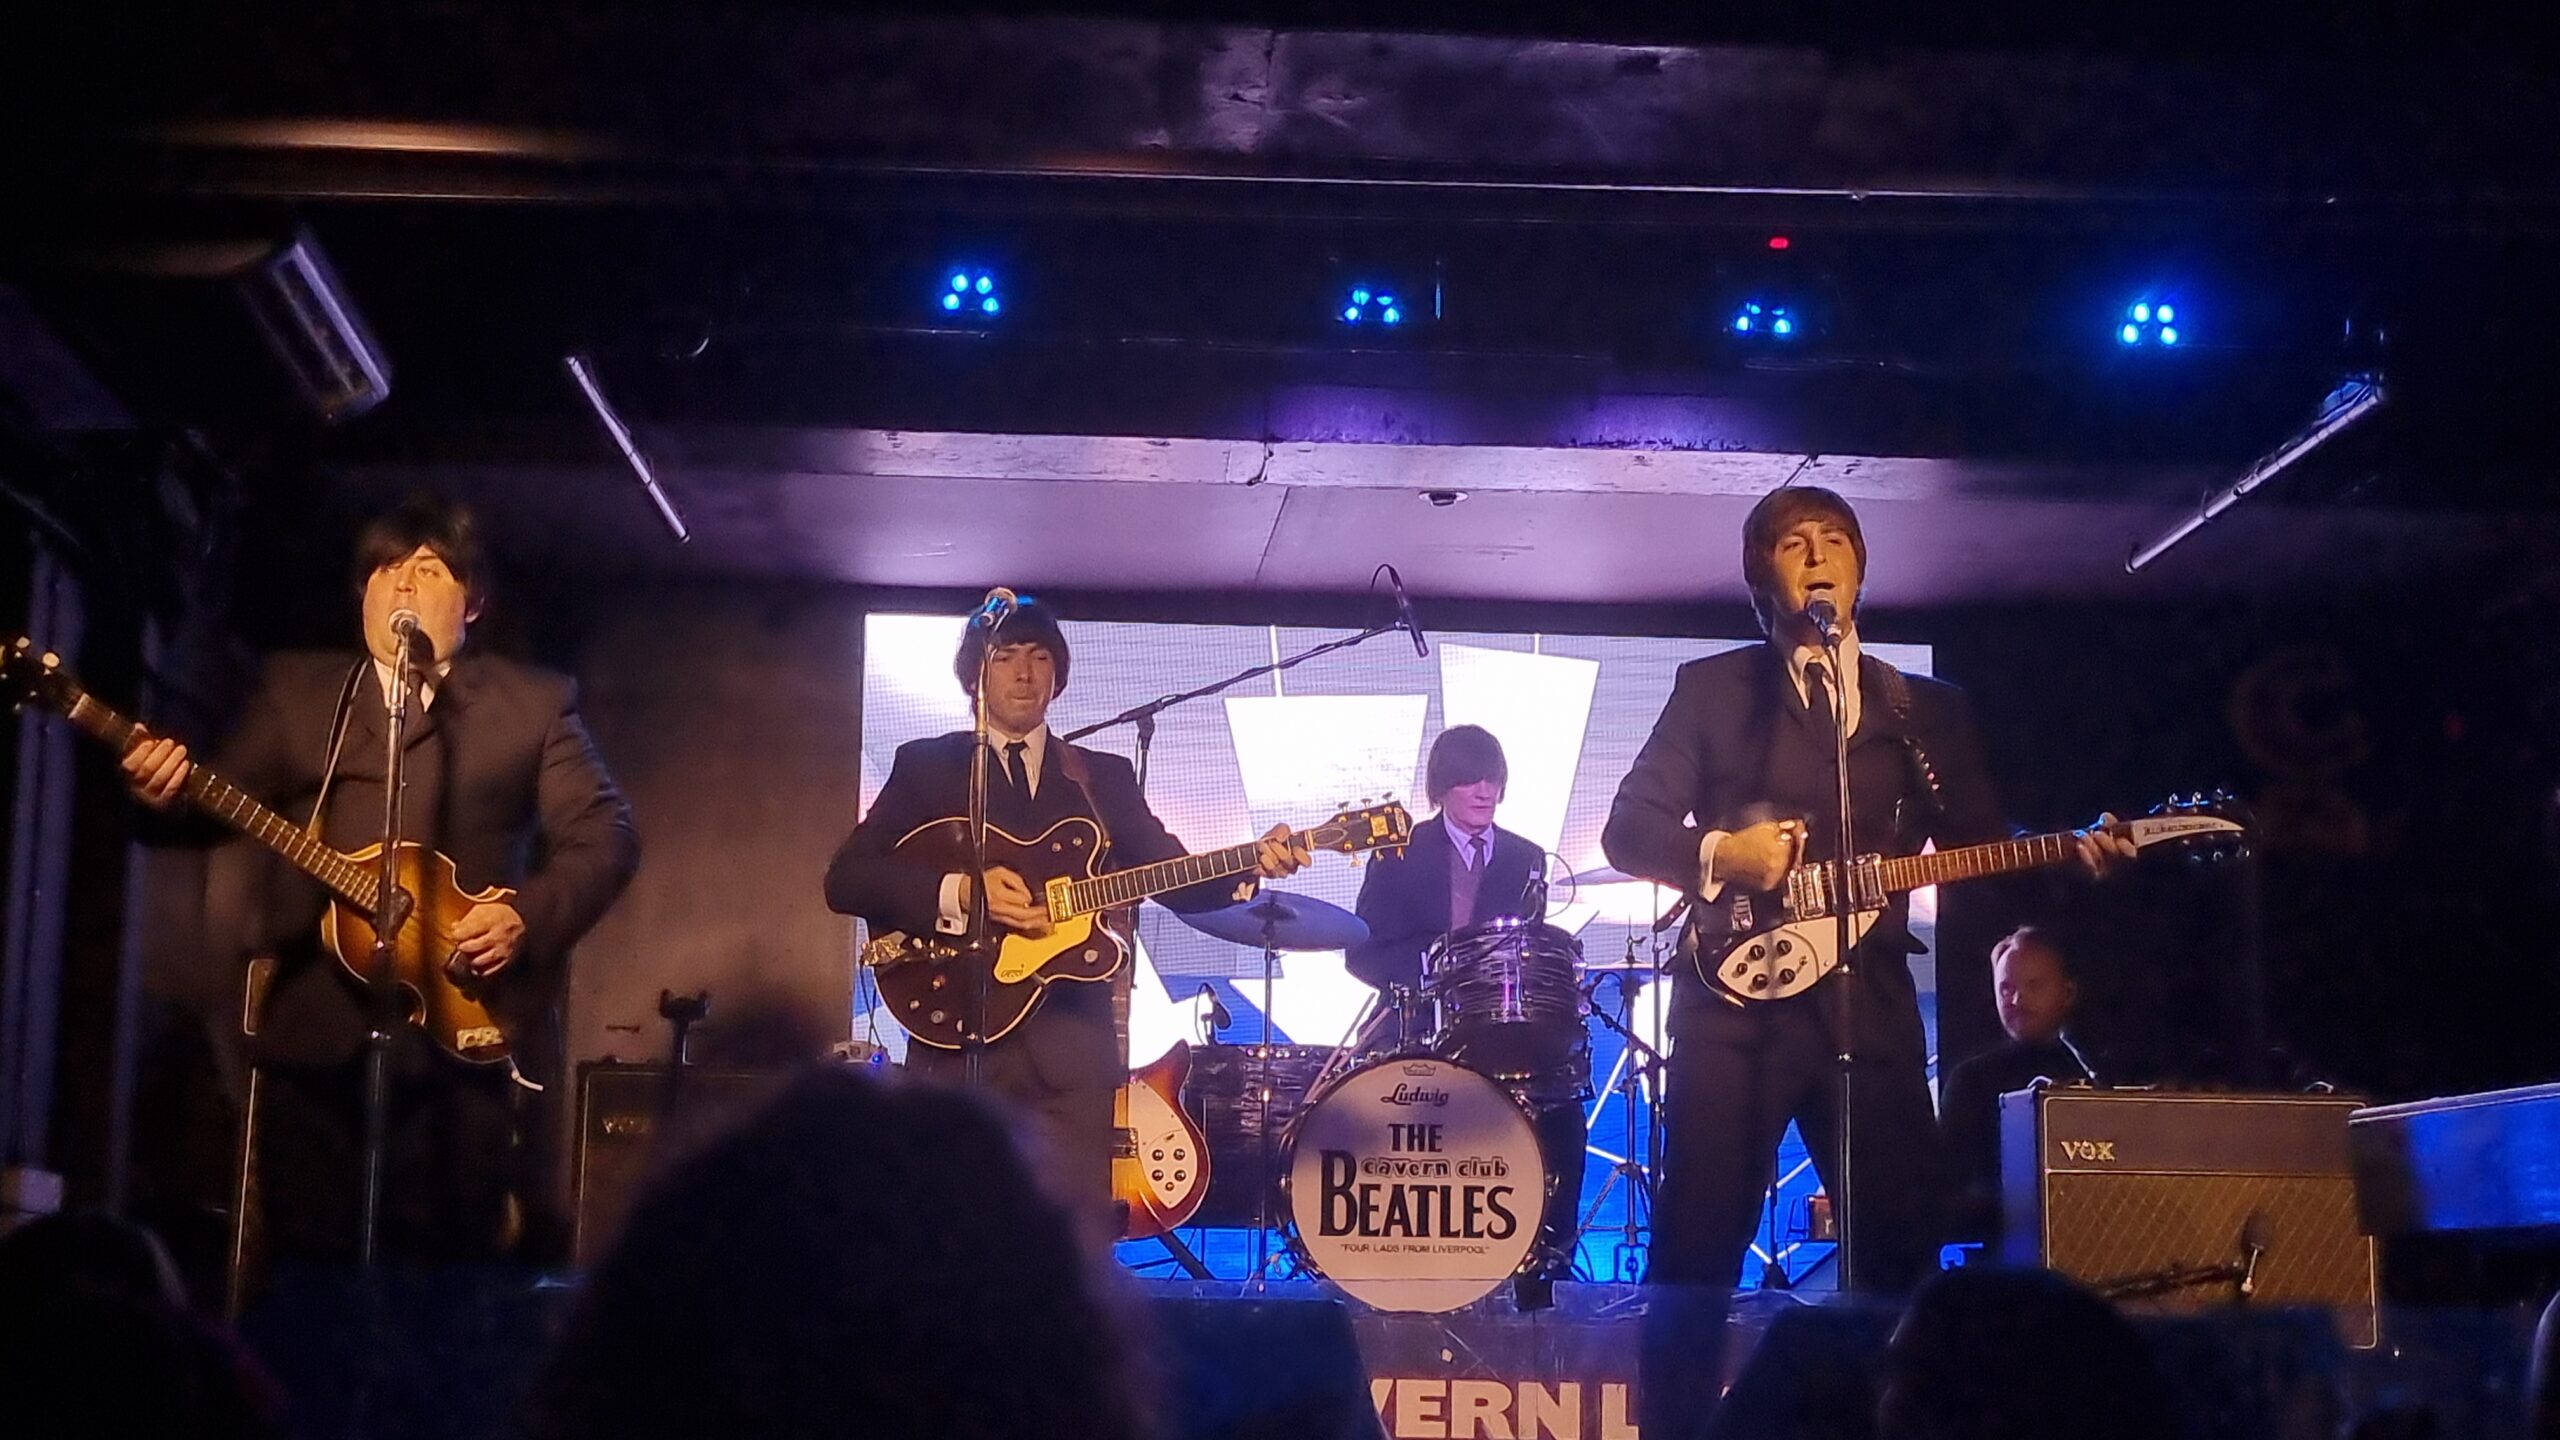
(1406, 1157)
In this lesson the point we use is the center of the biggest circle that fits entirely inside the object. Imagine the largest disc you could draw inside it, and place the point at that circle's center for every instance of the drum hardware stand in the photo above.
(1638, 1060)
(1262, 1106)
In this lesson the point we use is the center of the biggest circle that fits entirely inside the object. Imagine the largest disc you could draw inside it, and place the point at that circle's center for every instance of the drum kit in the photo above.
(1405, 1162)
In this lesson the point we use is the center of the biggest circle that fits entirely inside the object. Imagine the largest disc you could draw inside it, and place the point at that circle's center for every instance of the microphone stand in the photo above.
(982, 943)
(391, 906)
(1143, 716)
(1843, 982)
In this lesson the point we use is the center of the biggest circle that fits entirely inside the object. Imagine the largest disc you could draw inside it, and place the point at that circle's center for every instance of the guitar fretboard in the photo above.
(1972, 862)
(1128, 887)
(347, 879)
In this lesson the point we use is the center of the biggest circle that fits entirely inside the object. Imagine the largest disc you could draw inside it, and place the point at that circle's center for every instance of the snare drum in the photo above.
(1507, 999)
(1414, 1184)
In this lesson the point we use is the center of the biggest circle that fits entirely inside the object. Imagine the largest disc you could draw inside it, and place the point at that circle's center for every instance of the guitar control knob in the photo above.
(1159, 1155)
(937, 982)
(938, 1016)
(1181, 1175)
(1159, 1177)
(1785, 945)
(1761, 952)
(1740, 969)
(1786, 977)
(1759, 982)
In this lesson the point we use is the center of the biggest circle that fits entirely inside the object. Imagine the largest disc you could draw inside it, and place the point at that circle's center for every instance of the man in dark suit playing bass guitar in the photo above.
(1060, 1066)
(502, 778)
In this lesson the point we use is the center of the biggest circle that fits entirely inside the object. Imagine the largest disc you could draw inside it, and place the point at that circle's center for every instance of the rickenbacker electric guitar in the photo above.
(1159, 1156)
(1771, 944)
(925, 978)
(437, 995)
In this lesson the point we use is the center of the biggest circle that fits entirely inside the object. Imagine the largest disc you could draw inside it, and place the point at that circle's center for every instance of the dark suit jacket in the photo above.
(1735, 746)
(1070, 1034)
(501, 776)
(1405, 899)
(1969, 1119)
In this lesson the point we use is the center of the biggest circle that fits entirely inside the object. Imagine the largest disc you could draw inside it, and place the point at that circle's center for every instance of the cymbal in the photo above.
(1610, 875)
(1278, 920)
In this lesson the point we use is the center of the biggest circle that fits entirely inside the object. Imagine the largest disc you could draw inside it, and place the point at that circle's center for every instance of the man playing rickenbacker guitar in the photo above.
(1061, 1064)
(1735, 791)
(503, 780)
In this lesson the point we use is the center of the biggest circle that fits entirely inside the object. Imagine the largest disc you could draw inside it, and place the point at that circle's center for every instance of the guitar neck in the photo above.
(1128, 887)
(1972, 862)
(347, 879)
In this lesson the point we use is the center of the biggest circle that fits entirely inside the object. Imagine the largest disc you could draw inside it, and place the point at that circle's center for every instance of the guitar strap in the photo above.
(337, 741)
(1123, 919)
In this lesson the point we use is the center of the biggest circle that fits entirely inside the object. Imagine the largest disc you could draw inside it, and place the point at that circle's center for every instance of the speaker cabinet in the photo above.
(633, 1119)
(2180, 1200)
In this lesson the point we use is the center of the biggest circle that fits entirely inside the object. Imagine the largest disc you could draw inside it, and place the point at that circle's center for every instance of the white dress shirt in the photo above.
(1846, 696)
(954, 917)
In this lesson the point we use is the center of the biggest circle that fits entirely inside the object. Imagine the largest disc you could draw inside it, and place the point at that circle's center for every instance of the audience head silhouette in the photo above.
(2019, 1355)
(861, 1257)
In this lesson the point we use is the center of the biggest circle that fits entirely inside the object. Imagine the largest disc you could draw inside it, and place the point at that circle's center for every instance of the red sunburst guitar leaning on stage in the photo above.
(1159, 1157)
(925, 978)
(440, 997)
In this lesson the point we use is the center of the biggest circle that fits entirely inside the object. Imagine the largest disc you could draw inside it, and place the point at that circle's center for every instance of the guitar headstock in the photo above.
(1362, 830)
(30, 672)
(2206, 827)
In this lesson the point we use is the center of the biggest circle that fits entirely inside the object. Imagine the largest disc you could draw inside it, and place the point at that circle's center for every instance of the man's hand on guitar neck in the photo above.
(1010, 902)
(156, 769)
(1279, 853)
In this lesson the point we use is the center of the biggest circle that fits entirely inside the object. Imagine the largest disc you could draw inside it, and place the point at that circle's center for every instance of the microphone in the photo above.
(2255, 1233)
(991, 611)
(422, 646)
(1404, 611)
(1533, 895)
(1824, 617)
(1218, 1017)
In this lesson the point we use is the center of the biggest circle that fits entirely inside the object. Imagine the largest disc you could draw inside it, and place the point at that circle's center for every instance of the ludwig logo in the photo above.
(2088, 1150)
(1415, 1095)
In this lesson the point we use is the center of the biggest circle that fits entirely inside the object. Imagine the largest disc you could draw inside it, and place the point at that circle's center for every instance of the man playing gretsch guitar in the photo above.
(1061, 1063)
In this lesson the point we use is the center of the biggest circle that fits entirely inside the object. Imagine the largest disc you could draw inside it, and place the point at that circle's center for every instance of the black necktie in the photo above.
(1817, 698)
(1475, 853)
(1015, 767)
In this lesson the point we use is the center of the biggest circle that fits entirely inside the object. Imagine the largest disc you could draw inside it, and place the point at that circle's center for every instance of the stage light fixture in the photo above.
(2149, 322)
(1367, 304)
(972, 294)
(1760, 319)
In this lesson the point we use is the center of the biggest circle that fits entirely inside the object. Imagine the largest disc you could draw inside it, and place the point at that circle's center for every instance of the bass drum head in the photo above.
(1415, 1185)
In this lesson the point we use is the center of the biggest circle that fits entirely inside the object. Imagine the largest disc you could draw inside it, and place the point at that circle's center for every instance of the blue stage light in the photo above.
(972, 294)
(2147, 322)
(1365, 303)
(1759, 319)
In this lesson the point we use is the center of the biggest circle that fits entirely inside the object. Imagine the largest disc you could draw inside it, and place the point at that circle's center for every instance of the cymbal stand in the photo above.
(1627, 1079)
(1262, 1090)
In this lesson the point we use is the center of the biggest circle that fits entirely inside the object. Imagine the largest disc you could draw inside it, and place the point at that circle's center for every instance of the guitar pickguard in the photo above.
(1780, 961)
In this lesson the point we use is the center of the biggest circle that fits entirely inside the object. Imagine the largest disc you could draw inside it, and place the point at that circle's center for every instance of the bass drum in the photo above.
(1414, 1184)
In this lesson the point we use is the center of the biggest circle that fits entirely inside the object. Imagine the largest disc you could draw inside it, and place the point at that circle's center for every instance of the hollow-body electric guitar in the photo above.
(1159, 1155)
(925, 979)
(1771, 944)
(438, 995)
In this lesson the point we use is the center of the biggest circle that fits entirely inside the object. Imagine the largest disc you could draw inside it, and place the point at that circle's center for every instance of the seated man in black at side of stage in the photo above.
(2037, 999)
(1060, 1068)
(1462, 870)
